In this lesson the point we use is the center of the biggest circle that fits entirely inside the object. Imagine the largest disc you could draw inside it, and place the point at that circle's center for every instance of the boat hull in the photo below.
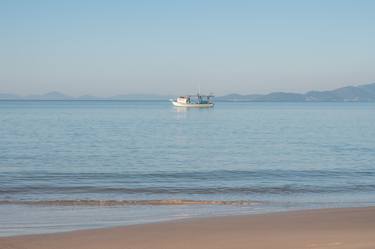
(177, 104)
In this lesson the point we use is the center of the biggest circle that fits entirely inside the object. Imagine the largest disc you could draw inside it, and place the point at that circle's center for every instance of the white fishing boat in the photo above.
(197, 101)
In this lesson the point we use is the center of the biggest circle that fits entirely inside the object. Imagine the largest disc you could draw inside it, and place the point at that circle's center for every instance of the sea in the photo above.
(68, 165)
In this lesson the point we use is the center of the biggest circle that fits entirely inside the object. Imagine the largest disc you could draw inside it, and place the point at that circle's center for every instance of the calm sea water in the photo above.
(68, 165)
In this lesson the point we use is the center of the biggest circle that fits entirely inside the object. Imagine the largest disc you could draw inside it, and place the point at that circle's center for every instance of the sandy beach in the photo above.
(347, 228)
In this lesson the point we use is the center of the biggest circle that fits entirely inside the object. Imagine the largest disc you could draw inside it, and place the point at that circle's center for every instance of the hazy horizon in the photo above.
(168, 48)
(165, 94)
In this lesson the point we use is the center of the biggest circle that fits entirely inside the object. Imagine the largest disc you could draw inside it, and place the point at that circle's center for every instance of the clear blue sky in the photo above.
(118, 47)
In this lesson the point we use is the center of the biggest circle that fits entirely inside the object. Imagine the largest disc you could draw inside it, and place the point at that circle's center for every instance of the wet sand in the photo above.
(346, 228)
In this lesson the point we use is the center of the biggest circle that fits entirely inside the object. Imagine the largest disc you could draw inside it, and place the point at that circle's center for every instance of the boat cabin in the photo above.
(195, 99)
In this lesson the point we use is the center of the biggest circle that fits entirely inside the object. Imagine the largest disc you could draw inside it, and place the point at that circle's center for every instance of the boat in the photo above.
(197, 101)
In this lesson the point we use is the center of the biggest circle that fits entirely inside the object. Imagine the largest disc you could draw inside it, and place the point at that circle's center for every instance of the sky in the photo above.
(172, 47)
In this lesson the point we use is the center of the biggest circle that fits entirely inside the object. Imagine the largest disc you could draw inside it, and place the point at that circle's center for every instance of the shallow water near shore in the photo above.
(68, 165)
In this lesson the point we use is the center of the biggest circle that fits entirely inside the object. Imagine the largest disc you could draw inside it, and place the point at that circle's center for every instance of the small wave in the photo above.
(132, 177)
(275, 189)
(166, 202)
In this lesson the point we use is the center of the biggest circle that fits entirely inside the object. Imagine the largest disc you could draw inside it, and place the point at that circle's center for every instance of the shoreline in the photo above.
(314, 228)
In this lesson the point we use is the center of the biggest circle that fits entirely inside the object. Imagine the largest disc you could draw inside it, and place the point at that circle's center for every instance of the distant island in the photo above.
(361, 93)
(60, 96)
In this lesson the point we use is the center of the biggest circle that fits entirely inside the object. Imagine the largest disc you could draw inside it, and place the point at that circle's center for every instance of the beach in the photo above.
(344, 228)
(187, 125)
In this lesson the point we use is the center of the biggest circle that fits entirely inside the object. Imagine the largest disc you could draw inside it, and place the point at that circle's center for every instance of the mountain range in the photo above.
(361, 93)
